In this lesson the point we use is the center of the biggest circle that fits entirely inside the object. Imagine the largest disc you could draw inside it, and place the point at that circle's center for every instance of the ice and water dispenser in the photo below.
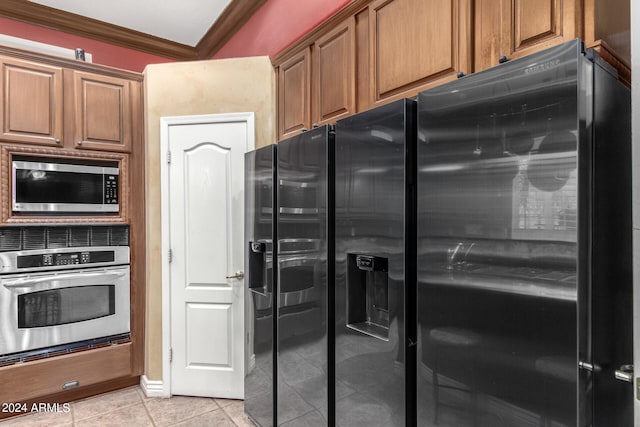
(368, 295)
(259, 279)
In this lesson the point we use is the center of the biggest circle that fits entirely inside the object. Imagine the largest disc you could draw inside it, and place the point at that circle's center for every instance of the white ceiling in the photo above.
(181, 21)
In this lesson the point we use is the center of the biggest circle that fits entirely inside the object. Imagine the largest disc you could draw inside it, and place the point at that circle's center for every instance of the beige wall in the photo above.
(190, 88)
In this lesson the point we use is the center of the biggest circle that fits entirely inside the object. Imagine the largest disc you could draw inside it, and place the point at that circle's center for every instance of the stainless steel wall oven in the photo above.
(62, 288)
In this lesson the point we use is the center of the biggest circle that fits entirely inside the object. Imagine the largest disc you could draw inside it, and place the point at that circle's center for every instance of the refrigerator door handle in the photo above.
(589, 366)
(624, 373)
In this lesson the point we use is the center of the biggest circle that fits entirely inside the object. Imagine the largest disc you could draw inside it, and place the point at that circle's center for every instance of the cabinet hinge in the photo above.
(168, 157)
(170, 256)
(170, 355)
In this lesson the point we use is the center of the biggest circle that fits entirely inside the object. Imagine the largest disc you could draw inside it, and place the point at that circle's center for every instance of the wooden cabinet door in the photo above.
(334, 74)
(47, 376)
(294, 91)
(103, 119)
(415, 44)
(32, 102)
(515, 28)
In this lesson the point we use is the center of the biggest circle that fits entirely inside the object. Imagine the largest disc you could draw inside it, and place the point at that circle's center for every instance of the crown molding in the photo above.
(44, 16)
(230, 21)
(235, 15)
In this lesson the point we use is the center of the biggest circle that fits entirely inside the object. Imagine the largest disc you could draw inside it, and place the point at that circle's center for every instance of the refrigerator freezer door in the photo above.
(259, 304)
(371, 291)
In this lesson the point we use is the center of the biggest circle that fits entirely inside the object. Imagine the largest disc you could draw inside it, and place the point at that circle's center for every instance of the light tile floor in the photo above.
(130, 407)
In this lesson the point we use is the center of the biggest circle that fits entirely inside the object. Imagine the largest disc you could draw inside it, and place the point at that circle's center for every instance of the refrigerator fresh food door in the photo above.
(612, 283)
(500, 272)
(303, 218)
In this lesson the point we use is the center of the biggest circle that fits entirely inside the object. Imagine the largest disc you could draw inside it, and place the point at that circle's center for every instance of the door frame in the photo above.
(165, 123)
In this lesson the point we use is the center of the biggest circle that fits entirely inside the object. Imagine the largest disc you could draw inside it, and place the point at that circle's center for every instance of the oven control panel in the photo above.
(65, 259)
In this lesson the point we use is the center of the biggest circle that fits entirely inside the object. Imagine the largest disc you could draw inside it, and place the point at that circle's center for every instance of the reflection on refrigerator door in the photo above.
(503, 202)
(303, 216)
(497, 293)
(372, 366)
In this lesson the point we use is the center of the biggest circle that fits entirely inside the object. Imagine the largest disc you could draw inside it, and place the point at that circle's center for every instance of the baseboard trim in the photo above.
(152, 388)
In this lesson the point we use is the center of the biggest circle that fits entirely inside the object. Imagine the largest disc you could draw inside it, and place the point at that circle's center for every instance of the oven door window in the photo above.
(39, 186)
(66, 305)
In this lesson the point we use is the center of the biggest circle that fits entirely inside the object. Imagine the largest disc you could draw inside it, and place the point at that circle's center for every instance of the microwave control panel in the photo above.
(67, 258)
(111, 189)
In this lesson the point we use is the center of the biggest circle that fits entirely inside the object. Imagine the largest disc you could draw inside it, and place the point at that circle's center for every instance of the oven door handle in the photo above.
(25, 283)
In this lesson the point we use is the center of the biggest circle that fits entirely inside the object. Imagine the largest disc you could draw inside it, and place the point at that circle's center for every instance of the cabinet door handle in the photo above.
(57, 141)
(79, 143)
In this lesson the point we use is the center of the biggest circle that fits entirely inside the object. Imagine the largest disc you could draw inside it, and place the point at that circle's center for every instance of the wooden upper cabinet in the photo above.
(103, 117)
(334, 74)
(46, 104)
(514, 28)
(32, 102)
(415, 44)
(294, 94)
(376, 51)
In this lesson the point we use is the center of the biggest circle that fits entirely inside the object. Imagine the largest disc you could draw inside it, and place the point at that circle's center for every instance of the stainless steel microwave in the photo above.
(55, 187)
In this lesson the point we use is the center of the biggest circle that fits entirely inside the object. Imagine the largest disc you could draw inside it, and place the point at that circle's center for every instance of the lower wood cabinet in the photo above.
(53, 375)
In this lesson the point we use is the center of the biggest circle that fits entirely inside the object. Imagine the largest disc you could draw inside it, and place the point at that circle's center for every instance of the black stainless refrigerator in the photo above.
(375, 267)
(524, 246)
(260, 228)
(305, 274)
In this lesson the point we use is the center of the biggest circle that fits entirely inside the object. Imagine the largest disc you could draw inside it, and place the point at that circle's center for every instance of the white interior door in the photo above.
(205, 163)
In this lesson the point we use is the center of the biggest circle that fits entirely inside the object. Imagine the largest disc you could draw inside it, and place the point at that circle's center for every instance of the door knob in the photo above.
(237, 275)
(624, 373)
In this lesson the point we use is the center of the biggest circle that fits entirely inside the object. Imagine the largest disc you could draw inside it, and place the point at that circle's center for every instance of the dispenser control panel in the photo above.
(371, 263)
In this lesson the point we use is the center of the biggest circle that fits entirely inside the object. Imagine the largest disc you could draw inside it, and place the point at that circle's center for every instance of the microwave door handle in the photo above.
(25, 283)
